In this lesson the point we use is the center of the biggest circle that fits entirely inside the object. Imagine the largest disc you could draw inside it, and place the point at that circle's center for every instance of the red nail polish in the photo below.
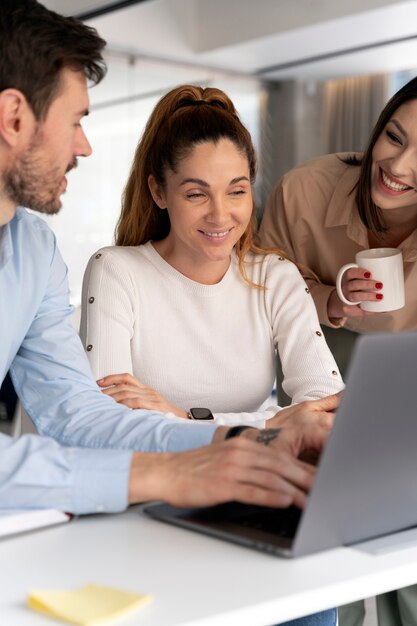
(367, 275)
(378, 285)
(379, 296)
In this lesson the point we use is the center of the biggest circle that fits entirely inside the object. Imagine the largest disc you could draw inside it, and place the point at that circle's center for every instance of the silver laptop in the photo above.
(366, 484)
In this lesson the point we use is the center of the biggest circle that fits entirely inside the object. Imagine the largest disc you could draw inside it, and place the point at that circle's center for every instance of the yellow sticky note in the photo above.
(87, 606)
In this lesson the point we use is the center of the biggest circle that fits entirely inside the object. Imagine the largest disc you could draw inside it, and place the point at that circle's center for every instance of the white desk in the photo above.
(195, 580)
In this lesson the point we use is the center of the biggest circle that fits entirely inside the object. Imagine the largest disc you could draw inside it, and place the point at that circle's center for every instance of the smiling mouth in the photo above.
(391, 184)
(216, 235)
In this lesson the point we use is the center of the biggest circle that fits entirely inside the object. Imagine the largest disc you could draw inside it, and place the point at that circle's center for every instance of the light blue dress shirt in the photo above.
(52, 377)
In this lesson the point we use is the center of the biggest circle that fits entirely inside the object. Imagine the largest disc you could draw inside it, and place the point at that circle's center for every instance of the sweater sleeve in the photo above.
(257, 419)
(309, 369)
(108, 314)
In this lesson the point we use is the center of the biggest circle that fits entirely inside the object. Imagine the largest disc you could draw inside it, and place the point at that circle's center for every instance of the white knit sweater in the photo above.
(205, 345)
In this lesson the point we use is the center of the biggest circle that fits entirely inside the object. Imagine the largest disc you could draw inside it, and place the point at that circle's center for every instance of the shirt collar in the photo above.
(6, 245)
(342, 211)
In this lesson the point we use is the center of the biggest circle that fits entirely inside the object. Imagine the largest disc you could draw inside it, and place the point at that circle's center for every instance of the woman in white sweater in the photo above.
(187, 310)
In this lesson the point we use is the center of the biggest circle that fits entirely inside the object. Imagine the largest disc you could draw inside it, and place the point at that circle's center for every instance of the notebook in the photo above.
(13, 522)
(366, 480)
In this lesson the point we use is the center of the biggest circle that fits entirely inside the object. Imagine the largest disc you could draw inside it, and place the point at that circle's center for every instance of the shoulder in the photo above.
(262, 268)
(129, 256)
(306, 191)
(30, 226)
(34, 240)
(321, 170)
(126, 266)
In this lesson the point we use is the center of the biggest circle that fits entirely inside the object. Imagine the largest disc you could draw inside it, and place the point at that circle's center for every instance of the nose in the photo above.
(404, 163)
(218, 213)
(82, 145)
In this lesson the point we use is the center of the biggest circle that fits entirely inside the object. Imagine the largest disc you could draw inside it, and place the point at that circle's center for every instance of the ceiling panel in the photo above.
(77, 7)
(273, 39)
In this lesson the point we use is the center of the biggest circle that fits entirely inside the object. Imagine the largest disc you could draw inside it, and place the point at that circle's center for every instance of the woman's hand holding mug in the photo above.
(374, 284)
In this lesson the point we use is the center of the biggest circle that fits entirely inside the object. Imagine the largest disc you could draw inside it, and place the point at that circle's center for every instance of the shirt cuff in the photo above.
(191, 434)
(101, 480)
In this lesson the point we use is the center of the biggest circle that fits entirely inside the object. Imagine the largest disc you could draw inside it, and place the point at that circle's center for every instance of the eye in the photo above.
(238, 192)
(392, 137)
(195, 195)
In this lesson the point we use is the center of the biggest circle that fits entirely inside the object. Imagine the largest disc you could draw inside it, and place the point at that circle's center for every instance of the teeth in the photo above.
(216, 234)
(391, 184)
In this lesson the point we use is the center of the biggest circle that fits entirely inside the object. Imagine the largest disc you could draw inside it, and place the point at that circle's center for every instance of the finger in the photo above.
(327, 403)
(281, 498)
(356, 273)
(279, 469)
(353, 291)
(115, 379)
(115, 389)
(326, 420)
(265, 488)
(352, 311)
(132, 397)
(244, 493)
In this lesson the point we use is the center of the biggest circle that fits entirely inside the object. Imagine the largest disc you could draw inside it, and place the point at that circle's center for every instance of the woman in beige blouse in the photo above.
(325, 211)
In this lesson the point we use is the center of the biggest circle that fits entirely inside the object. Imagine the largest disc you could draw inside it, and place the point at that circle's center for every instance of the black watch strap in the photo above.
(235, 431)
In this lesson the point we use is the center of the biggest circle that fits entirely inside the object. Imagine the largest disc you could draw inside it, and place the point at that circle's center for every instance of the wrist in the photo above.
(334, 306)
(146, 478)
(236, 431)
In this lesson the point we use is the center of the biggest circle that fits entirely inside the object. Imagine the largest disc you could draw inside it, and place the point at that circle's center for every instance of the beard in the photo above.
(29, 182)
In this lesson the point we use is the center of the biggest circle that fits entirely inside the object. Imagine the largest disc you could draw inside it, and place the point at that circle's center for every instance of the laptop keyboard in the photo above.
(279, 522)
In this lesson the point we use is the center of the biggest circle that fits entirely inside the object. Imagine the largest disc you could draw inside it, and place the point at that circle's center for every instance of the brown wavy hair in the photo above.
(184, 117)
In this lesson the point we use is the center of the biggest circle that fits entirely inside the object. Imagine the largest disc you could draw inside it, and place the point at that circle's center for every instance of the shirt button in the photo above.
(98, 256)
(334, 373)
(318, 333)
(91, 300)
(281, 258)
(307, 290)
(89, 347)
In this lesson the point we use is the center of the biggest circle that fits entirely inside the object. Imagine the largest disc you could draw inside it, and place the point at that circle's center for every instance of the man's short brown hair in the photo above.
(36, 44)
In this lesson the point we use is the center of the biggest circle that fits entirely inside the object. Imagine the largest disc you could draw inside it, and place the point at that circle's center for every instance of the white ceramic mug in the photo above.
(386, 266)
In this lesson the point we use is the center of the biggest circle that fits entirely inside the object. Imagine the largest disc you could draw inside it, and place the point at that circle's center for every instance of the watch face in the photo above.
(202, 414)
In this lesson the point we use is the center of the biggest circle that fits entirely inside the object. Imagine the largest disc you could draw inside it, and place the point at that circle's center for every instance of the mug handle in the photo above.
(339, 277)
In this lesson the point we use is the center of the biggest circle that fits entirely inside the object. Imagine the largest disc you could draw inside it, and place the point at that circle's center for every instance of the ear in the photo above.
(157, 193)
(17, 121)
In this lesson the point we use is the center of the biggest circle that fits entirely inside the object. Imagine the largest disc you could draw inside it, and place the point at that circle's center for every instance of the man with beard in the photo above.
(45, 62)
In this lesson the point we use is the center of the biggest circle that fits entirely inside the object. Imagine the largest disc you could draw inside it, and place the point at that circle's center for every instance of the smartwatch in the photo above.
(202, 415)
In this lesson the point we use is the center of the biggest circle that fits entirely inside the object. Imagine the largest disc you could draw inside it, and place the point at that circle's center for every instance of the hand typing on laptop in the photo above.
(236, 469)
(230, 470)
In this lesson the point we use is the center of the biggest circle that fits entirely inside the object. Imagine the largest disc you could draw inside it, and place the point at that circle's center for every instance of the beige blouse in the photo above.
(312, 216)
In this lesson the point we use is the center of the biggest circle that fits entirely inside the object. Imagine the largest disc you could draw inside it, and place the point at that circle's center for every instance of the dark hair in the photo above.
(186, 116)
(369, 212)
(36, 44)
